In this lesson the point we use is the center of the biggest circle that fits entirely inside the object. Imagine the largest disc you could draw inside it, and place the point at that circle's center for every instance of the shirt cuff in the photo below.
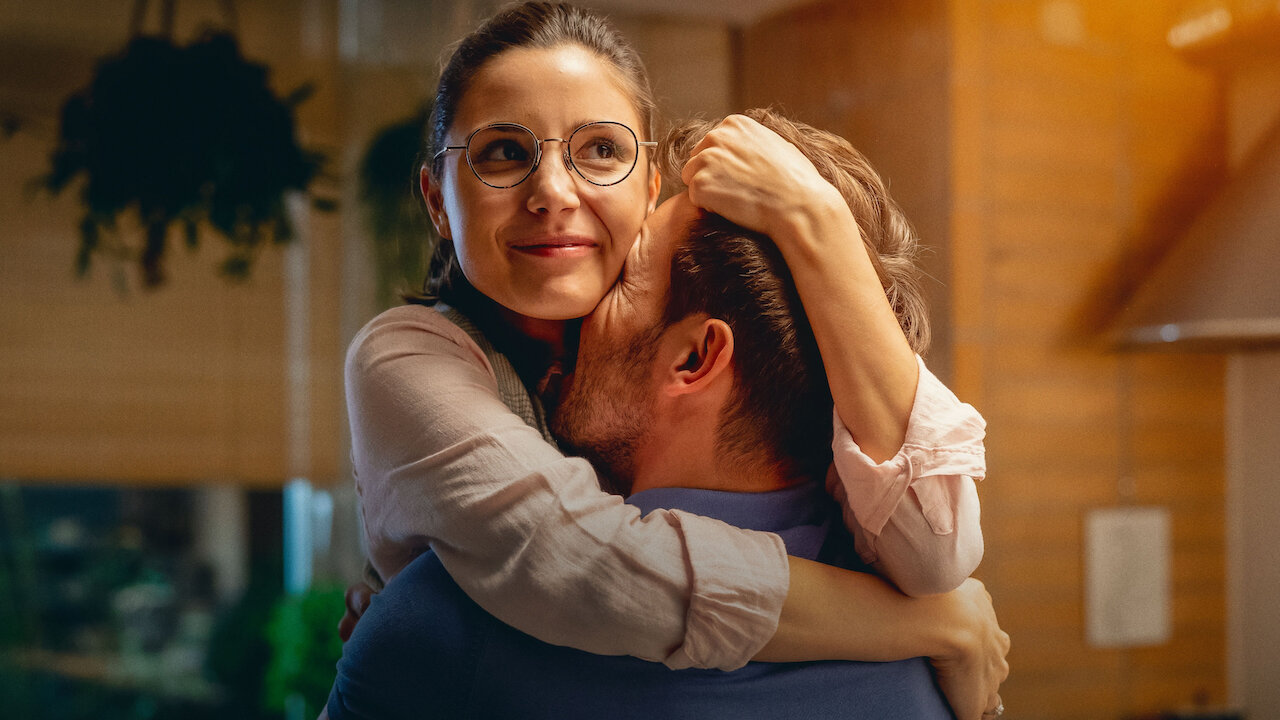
(944, 437)
(737, 594)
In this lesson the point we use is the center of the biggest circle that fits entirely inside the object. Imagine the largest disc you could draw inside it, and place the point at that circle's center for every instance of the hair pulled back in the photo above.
(527, 25)
(537, 25)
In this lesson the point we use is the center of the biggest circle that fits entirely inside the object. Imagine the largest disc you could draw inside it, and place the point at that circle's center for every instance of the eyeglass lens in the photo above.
(602, 153)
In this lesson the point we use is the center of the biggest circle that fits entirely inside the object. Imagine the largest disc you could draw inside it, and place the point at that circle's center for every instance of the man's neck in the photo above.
(746, 475)
(683, 448)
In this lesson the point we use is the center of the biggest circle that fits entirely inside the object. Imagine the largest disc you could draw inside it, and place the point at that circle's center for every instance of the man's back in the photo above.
(424, 649)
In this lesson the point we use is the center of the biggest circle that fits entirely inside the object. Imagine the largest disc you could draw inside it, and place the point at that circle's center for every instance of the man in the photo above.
(698, 386)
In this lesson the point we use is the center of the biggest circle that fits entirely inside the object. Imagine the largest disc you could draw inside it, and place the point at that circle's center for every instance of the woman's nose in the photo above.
(553, 184)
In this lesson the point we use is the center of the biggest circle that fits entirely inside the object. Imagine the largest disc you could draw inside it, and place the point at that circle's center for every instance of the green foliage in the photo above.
(181, 136)
(403, 239)
(303, 634)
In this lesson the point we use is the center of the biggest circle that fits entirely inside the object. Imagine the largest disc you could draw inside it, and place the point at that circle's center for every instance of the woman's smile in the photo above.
(555, 246)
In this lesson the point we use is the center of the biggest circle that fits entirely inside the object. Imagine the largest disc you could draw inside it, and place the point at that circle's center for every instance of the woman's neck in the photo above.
(550, 333)
(533, 346)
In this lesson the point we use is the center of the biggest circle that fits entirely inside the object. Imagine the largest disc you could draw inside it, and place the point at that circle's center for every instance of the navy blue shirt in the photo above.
(423, 649)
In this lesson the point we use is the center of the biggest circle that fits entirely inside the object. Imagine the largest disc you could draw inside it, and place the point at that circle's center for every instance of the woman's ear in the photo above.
(435, 203)
(702, 355)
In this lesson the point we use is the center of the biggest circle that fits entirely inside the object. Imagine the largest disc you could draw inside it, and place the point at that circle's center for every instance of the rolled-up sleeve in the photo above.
(527, 533)
(916, 516)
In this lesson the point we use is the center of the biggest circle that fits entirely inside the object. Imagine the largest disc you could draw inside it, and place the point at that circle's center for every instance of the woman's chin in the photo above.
(562, 303)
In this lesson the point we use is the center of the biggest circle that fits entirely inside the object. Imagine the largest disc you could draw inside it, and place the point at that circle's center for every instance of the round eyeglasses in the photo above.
(502, 155)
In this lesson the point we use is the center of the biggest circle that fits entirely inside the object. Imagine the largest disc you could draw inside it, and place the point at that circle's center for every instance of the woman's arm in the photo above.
(749, 174)
(917, 522)
(525, 531)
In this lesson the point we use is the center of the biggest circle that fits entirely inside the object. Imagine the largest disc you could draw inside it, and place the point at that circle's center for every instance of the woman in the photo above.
(538, 182)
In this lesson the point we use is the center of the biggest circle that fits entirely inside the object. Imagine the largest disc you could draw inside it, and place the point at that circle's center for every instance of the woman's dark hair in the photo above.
(527, 25)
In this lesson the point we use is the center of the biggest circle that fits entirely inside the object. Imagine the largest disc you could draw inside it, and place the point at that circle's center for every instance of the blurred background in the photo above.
(1098, 181)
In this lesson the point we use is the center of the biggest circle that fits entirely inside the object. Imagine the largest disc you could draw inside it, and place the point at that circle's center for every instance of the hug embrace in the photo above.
(622, 459)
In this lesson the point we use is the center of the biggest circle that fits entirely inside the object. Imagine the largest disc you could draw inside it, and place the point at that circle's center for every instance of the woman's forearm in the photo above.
(834, 614)
(870, 366)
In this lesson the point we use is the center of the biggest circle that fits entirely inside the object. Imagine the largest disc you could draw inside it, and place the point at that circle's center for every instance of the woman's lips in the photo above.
(555, 247)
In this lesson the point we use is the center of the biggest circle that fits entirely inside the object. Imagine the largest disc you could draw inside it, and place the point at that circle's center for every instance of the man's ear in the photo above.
(701, 355)
(435, 203)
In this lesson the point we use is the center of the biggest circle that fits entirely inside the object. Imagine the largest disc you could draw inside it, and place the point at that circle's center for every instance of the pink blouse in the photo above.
(441, 462)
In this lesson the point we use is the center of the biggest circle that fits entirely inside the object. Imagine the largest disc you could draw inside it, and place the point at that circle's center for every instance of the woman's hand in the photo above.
(358, 597)
(750, 175)
(971, 670)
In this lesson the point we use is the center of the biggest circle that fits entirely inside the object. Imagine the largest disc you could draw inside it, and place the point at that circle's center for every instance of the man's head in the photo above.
(702, 351)
(703, 328)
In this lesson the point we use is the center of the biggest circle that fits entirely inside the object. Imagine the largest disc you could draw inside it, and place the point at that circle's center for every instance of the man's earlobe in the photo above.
(435, 203)
(655, 189)
(706, 353)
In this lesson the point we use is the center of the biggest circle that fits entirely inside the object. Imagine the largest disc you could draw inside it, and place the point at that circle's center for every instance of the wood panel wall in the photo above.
(876, 74)
(188, 384)
(1069, 132)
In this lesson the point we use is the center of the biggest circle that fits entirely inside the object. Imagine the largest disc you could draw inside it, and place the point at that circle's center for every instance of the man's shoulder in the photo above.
(568, 685)
(423, 604)
(419, 638)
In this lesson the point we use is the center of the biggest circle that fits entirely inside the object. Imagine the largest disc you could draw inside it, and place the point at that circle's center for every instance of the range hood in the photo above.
(1219, 286)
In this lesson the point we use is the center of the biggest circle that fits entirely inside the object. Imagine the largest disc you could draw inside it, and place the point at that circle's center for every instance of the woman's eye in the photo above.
(598, 150)
(502, 151)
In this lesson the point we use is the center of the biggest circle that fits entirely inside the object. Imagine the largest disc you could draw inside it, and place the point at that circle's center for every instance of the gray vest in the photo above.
(514, 394)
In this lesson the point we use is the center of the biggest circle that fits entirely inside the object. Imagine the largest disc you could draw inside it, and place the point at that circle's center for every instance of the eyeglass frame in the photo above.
(537, 157)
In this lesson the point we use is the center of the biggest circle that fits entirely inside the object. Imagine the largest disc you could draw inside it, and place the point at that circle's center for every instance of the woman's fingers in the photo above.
(358, 597)
(749, 174)
(971, 678)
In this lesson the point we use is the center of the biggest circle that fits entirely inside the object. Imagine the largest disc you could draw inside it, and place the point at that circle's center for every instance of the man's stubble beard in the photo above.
(607, 408)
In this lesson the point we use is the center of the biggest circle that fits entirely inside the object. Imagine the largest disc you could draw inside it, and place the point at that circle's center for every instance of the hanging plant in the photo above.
(403, 240)
(180, 137)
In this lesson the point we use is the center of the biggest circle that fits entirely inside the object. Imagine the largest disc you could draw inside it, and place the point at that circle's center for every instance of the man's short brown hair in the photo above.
(781, 407)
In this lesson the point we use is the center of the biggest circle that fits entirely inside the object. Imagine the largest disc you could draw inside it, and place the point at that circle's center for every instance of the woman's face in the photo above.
(550, 247)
